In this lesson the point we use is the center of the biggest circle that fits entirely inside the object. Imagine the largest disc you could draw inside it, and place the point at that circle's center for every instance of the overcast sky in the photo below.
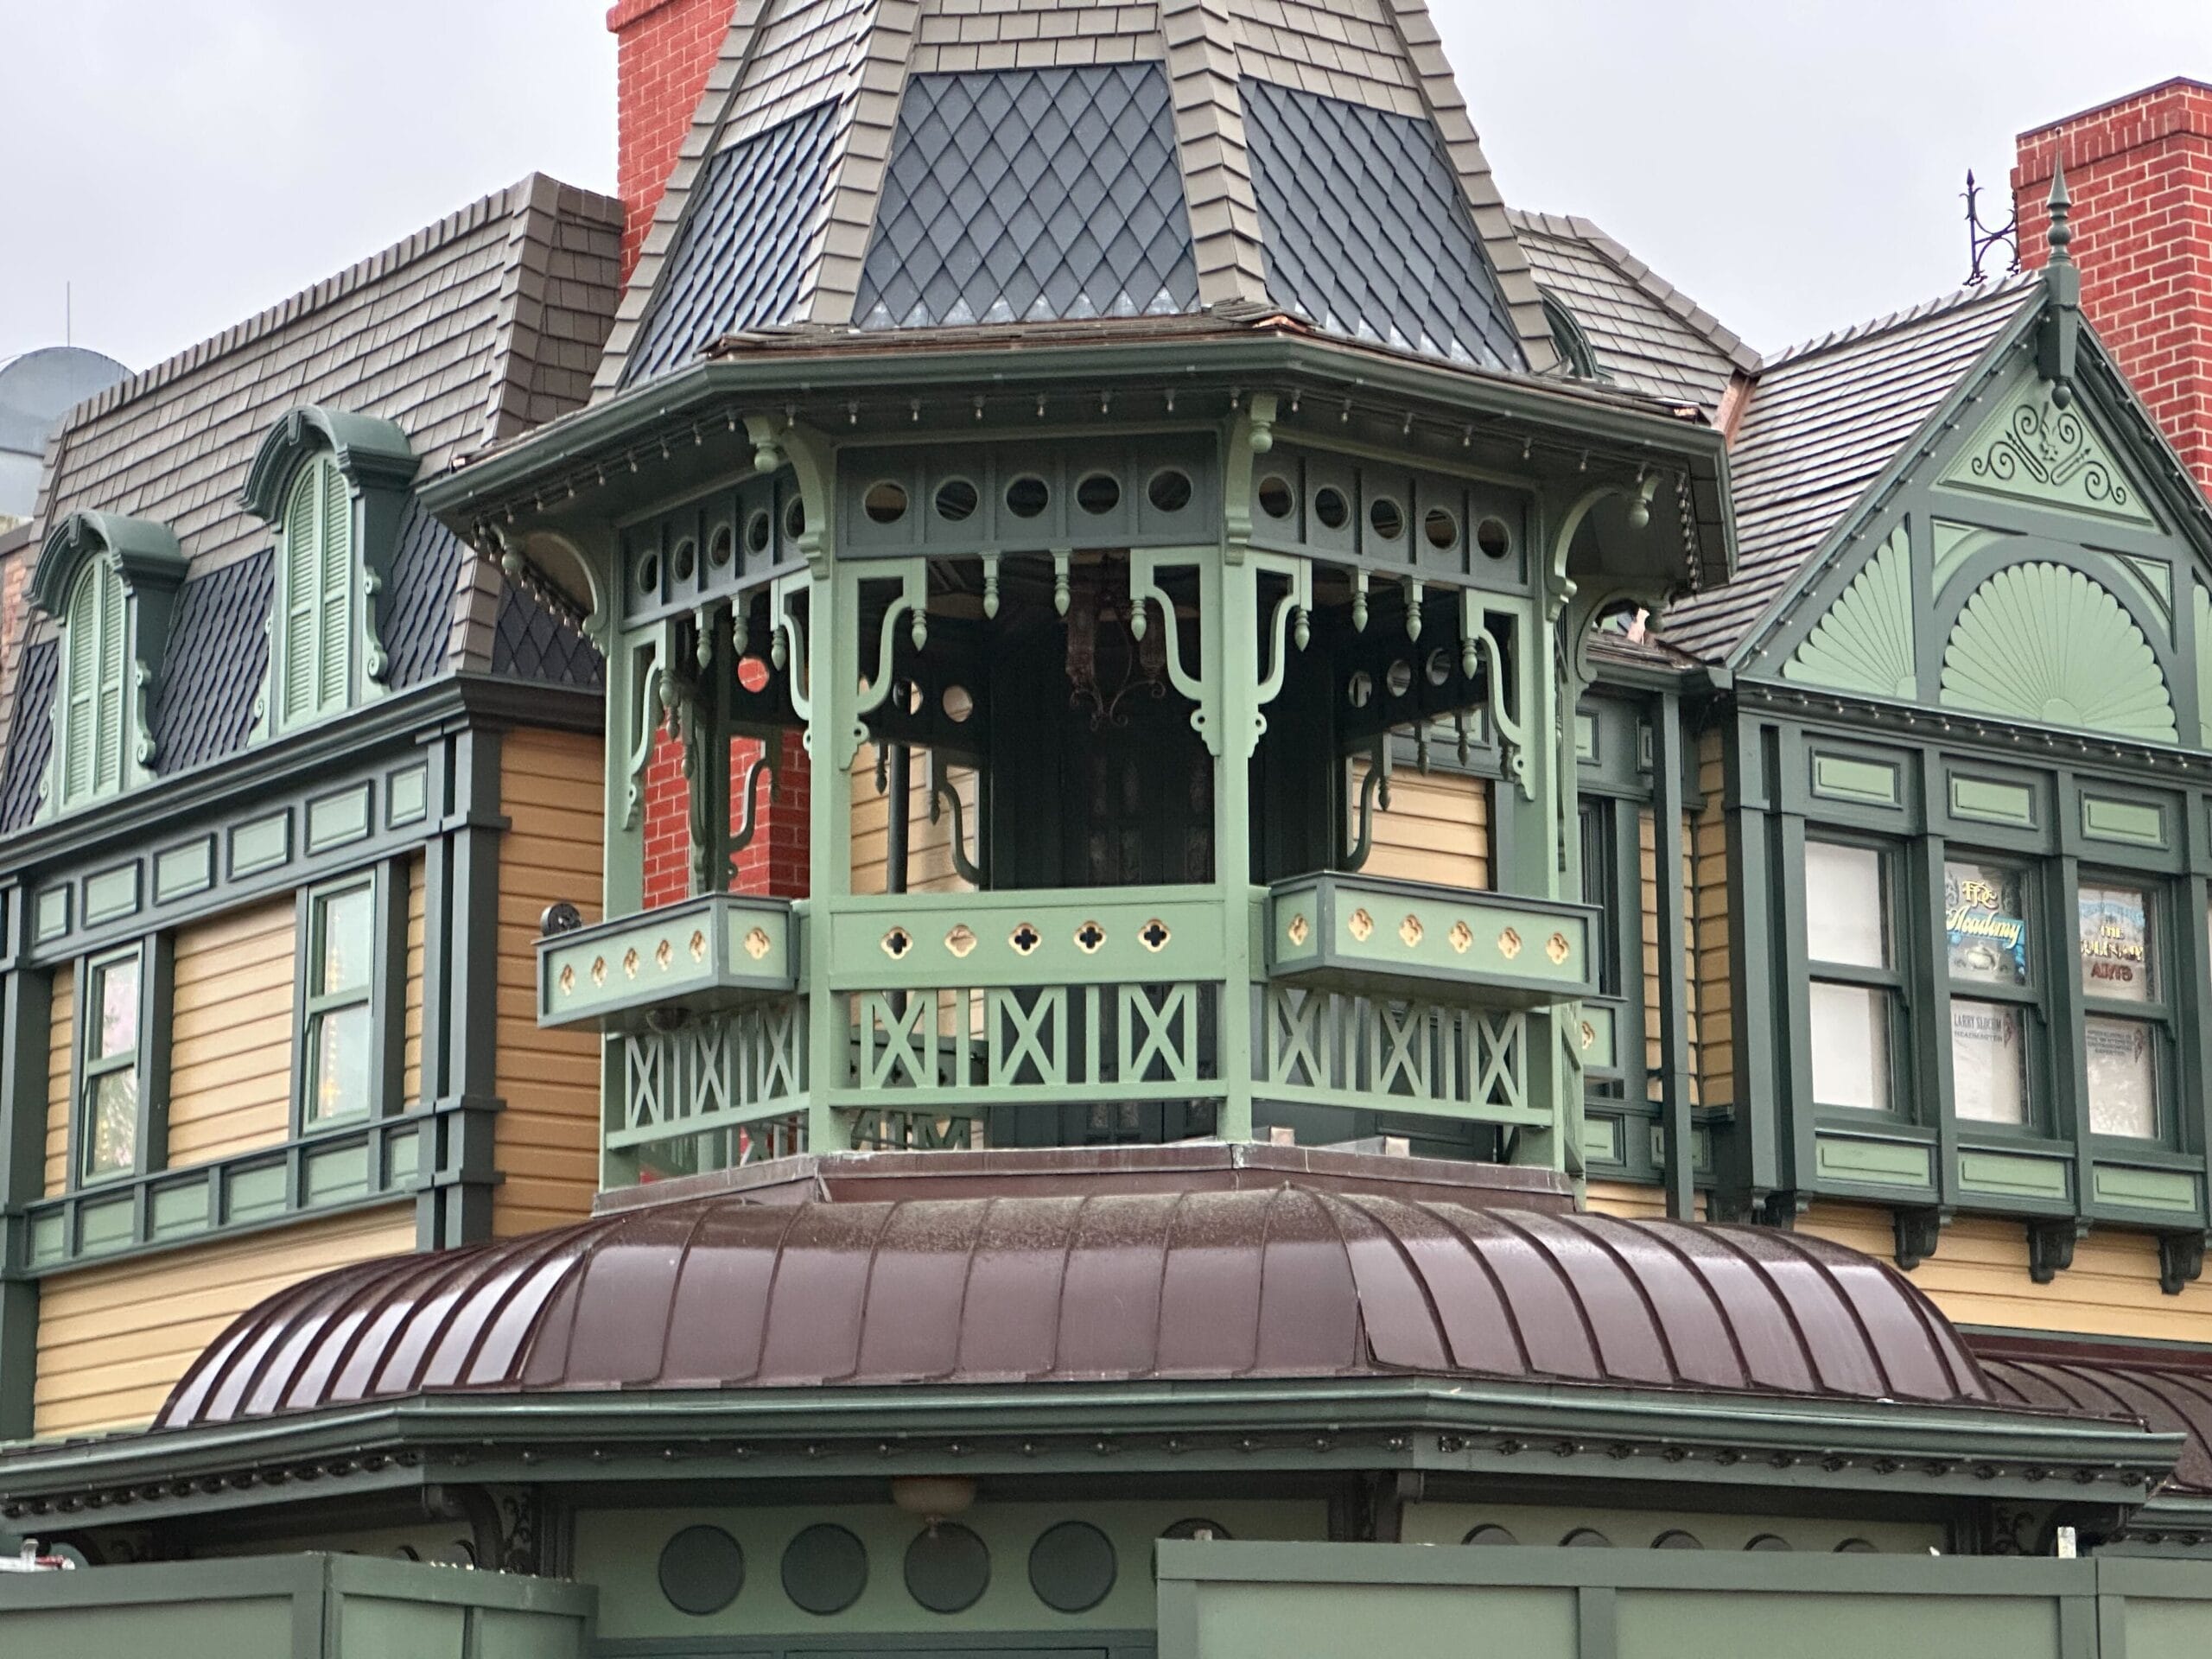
(1793, 164)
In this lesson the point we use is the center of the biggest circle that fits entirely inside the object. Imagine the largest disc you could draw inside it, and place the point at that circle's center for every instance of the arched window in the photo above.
(315, 634)
(1566, 335)
(92, 707)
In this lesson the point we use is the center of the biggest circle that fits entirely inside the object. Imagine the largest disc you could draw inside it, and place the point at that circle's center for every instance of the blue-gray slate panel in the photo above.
(212, 674)
(30, 737)
(1366, 230)
(741, 253)
(1030, 196)
(535, 640)
(418, 609)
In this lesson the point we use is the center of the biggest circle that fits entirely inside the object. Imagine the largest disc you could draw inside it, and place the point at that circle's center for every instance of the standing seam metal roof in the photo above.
(721, 1294)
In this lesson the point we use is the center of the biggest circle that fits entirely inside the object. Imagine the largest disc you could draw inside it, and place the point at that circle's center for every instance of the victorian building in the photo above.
(1062, 850)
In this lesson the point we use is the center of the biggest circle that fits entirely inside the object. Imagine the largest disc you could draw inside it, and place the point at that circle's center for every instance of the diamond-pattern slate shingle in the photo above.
(219, 651)
(1366, 230)
(418, 608)
(1030, 196)
(535, 638)
(739, 260)
(30, 737)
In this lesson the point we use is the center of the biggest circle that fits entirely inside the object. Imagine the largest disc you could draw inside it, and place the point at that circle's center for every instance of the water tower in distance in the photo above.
(36, 389)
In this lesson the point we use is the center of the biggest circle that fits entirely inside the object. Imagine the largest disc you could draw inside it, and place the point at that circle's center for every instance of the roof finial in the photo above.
(2062, 282)
(2061, 235)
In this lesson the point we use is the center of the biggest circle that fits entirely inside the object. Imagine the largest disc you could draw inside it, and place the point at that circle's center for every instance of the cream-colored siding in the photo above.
(549, 788)
(1713, 999)
(1647, 884)
(60, 1032)
(410, 1069)
(113, 1340)
(1979, 1275)
(929, 845)
(1436, 829)
(231, 1049)
(1631, 1202)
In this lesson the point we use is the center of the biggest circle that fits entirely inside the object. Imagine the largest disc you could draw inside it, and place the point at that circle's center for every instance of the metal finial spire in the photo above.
(2061, 235)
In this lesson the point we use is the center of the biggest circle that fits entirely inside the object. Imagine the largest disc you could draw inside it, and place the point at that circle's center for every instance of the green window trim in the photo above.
(348, 1036)
(314, 629)
(1879, 985)
(93, 704)
(131, 1077)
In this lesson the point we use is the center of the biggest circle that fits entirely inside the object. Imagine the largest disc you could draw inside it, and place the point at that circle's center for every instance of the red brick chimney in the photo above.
(665, 49)
(2139, 172)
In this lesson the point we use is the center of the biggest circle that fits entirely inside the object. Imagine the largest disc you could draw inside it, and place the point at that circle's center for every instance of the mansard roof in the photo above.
(924, 163)
(472, 330)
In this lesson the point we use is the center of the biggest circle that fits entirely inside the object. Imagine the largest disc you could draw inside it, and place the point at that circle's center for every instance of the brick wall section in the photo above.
(664, 50)
(2139, 173)
(774, 865)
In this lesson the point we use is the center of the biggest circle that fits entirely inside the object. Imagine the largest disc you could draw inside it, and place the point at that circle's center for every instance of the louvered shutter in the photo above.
(335, 643)
(109, 714)
(303, 578)
(81, 643)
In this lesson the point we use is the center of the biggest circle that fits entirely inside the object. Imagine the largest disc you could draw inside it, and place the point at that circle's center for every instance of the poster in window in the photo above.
(2123, 1078)
(2115, 943)
(1988, 1063)
(1987, 921)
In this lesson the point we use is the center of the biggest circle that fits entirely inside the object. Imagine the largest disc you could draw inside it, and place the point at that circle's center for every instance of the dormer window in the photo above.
(110, 583)
(333, 485)
(1572, 345)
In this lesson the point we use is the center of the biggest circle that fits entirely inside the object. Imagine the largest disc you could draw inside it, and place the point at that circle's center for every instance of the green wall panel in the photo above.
(2145, 1189)
(261, 843)
(1988, 801)
(2139, 823)
(2013, 1175)
(110, 893)
(1890, 1163)
(182, 870)
(1845, 778)
(337, 820)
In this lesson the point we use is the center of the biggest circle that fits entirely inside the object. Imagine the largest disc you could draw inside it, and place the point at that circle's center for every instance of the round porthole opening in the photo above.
(794, 519)
(1399, 677)
(1489, 1534)
(1072, 1567)
(1359, 690)
(958, 703)
(1386, 519)
(824, 1570)
(1442, 528)
(722, 549)
(948, 1568)
(1028, 496)
(757, 533)
(1492, 536)
(885, 502)
(1169, 490)
(702, 1570)
(649, 575)
(1331, 510)
(956, 500)
(687, 560)
(1099, 494)
(1276, 498)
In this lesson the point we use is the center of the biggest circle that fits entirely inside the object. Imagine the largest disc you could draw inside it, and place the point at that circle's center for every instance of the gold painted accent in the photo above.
(1025, 938)
(757, 943)
(1509, 944)
(1410, 931)
(1558, 948)
(599, 971)
(1089, 938)
(568, 980)
(897, 942)
(1362, 925)
(630, 961)
(960, 940)
(1298, 930)
(1461, 936)
(663, 953)
(1154, 935)
(698, 946)
(1589, 1035)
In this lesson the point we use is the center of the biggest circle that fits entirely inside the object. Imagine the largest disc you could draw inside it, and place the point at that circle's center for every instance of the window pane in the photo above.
(2116, 944)
(1986, 917)
(111, 1136)
(2123, 1078)
(1846, 919)
(343, 964)
(1988, 1063)
(341, 1039)
(115, 993)
(1851, 1047)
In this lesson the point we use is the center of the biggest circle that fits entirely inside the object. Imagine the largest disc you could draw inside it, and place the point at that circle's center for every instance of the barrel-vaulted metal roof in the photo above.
(2169, 1399)
(721, 1294)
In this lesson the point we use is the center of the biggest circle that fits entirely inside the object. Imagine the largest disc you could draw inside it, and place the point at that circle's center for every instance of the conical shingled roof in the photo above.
(934, 163)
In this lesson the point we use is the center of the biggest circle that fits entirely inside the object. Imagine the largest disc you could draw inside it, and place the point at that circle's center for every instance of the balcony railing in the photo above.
(1364, 994)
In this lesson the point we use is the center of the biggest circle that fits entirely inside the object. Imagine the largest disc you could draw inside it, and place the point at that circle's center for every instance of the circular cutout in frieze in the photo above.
(702, 1570)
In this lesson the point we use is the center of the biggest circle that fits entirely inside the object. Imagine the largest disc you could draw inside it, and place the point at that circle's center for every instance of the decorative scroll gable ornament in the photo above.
(2038, 449)
(1865, 643)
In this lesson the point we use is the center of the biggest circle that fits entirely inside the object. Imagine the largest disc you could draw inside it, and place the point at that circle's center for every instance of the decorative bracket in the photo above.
(912, 601)
(1287, 626)
(1145, 564)
(2051, 1247)
(943, 790)
(742, 836)
(2181, 1260)
(1475, 638)
(641, 751)
(788, 654)
(1917, 1230)
(1373, 789)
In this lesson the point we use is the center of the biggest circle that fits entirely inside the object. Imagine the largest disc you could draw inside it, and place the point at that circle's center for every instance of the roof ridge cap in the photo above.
(395, 256)
(1956, 299)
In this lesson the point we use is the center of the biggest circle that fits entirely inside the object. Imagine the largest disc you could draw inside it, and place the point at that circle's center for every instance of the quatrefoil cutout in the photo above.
(567, 980)
(1411, 930)
(960, 940)
(1025, 939)
(1362, 925)
(1558, 948)
(630, 962)
(897, 942)
(1089, 938)
(1460, 936)
(1589, 1035)
(1509, 944)
(599, 971)
(663, 953)
(698, 946)
(1153, 935)
(1300, 930)
(757, 943)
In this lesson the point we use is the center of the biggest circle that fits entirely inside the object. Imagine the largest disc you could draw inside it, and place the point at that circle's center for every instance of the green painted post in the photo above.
(1231, 670)
(1529, 804)
(25, 1014)
(622, 880)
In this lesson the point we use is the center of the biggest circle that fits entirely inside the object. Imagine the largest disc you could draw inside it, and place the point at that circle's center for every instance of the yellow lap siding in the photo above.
(60, 1032)
(410, 1069)
(113, 1340)
(929, 845)
(548, 1149)
(231, 1024)
(1715, 1054)
(1631, 1202)
(1979, 1275)
(1436, 829)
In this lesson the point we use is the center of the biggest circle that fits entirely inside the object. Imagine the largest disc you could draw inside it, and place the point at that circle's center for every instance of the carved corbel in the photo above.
(2181, 1260)
(1917, 1230)
(2051, 1247)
